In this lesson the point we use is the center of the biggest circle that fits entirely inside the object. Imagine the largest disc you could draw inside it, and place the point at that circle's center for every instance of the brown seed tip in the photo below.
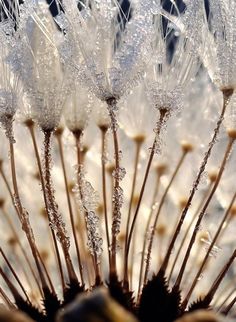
(227, 91)
(121, 238)
(36, 175)
(43, 213)
(161, 230)
(59, 130)
(100, 209)
(103, 128)
(110, 168)
(231, 133)
(44, 253)
(186, 146)
(29, 123)
(183, 202)
(139, 139)
(12, 242)
(161, 168)
(200, 316)
(212, 175)
(135, 200)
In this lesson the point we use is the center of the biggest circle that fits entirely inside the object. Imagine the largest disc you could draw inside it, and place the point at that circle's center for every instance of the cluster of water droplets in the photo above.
(56, 221)
(24, 218)
(221, 43)
(88, 200)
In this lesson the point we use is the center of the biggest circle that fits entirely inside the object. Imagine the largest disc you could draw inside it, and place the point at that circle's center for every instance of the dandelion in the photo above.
(84, 238)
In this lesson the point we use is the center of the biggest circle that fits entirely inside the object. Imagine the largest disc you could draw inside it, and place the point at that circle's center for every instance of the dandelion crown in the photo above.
(117, 161)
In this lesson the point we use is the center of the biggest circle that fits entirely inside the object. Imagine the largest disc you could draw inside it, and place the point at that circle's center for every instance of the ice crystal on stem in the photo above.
(88, 202)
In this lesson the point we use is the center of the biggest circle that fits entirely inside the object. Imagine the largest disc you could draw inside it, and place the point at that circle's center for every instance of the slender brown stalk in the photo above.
(55, 216)
(206, 257)
(6, 299)
(203, 211)
(154, 198)
(138, 143)
(226, 97)
(23, 216)
(96, 263)
(30, 125)
(226, 310)
(16, 237)
(14, 274)
(164, 114)
(117, 199)
(219, 308)
(219, 278)
(162, 201)
(104, 189)
(59, 140)
(188, 230)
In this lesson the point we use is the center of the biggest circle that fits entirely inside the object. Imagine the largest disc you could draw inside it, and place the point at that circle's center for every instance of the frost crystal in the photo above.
(220, 43)
(112, 60)
(88, 199)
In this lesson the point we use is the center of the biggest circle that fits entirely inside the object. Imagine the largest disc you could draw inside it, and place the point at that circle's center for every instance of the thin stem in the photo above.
(229, 306)
(95, 259)
(55, 217)
(58, 136)
(21, 248)
(226, 97)
(6, 299)
(219, 278)
(188, 230)
(30, 126)
(138, 144)
(162, 201)
(227, 213)
(117, 192)
(155, 194)
(14, 273)
(203, 211)
(219, 308)
(104, 189)
(163, 116)
(23, 216)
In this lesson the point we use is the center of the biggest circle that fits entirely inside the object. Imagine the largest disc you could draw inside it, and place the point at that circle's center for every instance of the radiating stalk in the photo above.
(226, 97)
(58, 136)
(104, 189)
(21, 248)
(77, 136)
(154, 199)
(55, 217)
(117, 199)
(6, 299)
(208, 298)
(188, 230)
(203, 211)
(30, 125)
(138, 143)
(162, 201)
(163, 116)
(206, 257)
(23, 216)
(14, 274)
(226, 310)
